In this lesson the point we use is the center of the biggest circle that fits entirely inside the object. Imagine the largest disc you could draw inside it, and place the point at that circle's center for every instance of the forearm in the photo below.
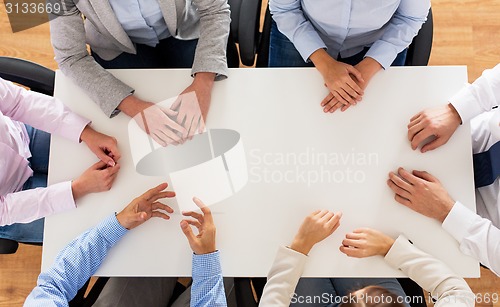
(76, 263)
(210, 56)
(477, 236)
(29, 205)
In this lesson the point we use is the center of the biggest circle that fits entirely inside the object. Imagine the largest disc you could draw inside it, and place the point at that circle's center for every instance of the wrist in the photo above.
(84, 136)
(205, 251)
(322, 60)
(77, 189)
(132, 105)
(386, 246)
(454, 114)
(300, 245)
(447, 206)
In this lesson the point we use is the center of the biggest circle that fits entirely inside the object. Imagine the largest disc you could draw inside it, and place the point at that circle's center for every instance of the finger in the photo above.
(414, 130)
(397, 190)
(314, 213)
(415, 117)
(325, 218)
(174, 126)
(437, 142)
(420, 137)
(327, 99)
(151, 192)
(353, 71)
(351, 242)
(400, 182)
(98, 165)
(194, 223)
(425, 175)
(204, 208)
(345, 96)
(113, 150)
(344, 107)
(160, 215)
(351, 251)
(354, 236)
(332, 106)
(160, 195)
(157, 205)
(407, 176)
(140, 217)
(351, 91)
(168, 135)
(194, 215)
(113, 170)
(105, 158)
(334, 220)
(188, 232)
(192, 128)
(403, 201)
(176, 104)
(361, 230)
(158, 140)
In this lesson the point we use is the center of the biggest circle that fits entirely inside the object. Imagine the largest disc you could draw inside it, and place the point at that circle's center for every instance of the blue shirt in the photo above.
(345, 27)
(79, 260)
(142, 20)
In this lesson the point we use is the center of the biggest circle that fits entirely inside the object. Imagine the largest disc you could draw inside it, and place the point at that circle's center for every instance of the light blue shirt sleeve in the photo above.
(75, 264)
(400, 31)
(208, 287)
(293, 24)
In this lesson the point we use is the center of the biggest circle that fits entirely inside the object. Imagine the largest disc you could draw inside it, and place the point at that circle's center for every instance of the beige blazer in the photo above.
(428, 272)
(207, 20)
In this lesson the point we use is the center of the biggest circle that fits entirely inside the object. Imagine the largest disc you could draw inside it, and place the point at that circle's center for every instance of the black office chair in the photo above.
(39, 79)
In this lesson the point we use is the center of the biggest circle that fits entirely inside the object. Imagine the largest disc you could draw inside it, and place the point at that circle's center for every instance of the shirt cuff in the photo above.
(383, 52)
(62, 194)
(393, 256)
(465, 103)
(111, 229)
(72, 126)
(458, 221)
(206, 265)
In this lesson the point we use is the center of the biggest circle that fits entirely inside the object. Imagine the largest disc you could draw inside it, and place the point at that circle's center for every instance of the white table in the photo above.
(277, 113)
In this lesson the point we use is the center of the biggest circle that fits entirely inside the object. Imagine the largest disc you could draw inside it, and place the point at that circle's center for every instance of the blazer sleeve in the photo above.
(210, 55)
(67, 34)
(431, 274)
(283, 277)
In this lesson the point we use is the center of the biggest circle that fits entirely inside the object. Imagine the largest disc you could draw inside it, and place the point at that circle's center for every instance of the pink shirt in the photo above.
(17, 106)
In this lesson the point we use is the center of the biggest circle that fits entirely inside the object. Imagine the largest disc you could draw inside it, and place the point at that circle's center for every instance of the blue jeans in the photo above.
(282, 53)
(169, 53)
(39, 163)
(331, 288)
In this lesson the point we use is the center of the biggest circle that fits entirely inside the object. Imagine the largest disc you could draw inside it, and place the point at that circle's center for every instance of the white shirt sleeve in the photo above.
(477, 236)
(478, 97)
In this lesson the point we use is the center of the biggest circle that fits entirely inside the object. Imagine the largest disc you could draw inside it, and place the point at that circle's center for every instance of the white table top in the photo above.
(277, 113)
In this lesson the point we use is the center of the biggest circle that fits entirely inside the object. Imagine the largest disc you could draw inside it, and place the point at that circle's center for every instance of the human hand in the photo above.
(340, 79)
(204, 242)
(366, 242)
(97, 178)
(102, 145)
(315, 228)
(421, 192)
(145, 207)
(440, 122)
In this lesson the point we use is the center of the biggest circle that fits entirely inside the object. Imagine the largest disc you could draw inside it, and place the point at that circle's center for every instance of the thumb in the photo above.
(188, 232)
(105, 158)
(170, 112)
(434, 144)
